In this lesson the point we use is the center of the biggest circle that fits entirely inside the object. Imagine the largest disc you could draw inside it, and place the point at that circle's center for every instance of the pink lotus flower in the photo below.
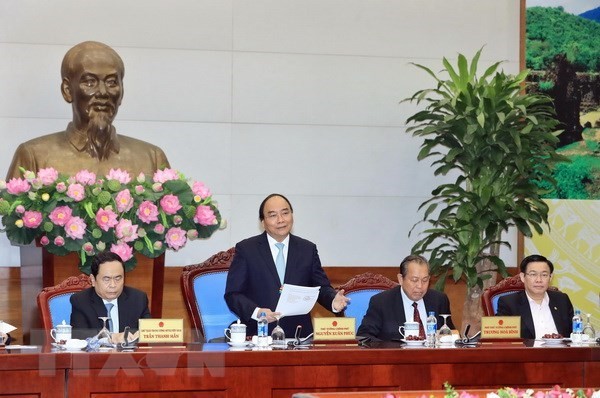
(159, 229)
(61, 187)
(122, 176)
(170, 204)
(32, 219)
(36, 183)
(16, 186)
(44, 240)
(123, 250)
(48, 175)
(124, 201)
(205, 215)
(106, 218)
(29, 175)
(139, 189)
(75, 228)
(157, 245)
(192, 234)
(76, 192)
(126, 231)
(147, 212)
(60, 215)
(201, 190)
(88, 248)
(20, 209)
(175, 238)
(85, 177)
(59, 241)
(165, 175)
(157, 187)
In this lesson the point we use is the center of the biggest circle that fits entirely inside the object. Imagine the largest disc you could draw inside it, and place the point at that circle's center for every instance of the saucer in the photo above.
(553, 341)
(414, 342)
(238, 344)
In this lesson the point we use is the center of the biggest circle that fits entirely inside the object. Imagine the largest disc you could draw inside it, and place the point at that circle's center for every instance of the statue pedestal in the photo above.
(40, 269)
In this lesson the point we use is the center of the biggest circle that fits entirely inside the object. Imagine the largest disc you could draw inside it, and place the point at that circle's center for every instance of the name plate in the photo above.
(332, 328)
(161, 330)
(501, 327)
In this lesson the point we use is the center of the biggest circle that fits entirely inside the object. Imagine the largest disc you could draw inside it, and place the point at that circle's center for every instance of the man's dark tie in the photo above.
(109, 307)
(417, 318)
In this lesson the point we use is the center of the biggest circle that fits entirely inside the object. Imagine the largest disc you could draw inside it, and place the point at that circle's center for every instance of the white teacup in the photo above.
(236, 333)
(61, 332)
(409, 329)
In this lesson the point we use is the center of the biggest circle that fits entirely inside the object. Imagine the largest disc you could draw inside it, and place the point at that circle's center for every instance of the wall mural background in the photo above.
(563, 51)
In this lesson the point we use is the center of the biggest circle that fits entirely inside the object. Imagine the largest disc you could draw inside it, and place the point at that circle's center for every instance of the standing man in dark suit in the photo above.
(127, 305)
(254, 281)
(389, 310)
(542, 311)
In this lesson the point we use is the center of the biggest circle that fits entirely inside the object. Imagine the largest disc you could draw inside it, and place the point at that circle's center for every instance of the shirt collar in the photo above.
(272, 241)
(79, 139)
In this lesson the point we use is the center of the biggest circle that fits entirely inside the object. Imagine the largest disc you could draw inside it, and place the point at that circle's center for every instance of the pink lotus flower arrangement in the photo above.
(509, 392)
(86, 213)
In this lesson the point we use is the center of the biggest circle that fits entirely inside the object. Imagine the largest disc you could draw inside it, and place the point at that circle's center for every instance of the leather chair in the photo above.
(53, 302)
(203, 288)
(490, 296)
(360, 289)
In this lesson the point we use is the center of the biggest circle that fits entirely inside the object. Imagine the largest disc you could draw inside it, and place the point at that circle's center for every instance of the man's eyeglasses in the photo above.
(535, 275)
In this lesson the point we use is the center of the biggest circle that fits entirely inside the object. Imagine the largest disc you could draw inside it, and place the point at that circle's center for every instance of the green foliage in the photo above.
(501, 143)
(546, 85)
(572, 179)
(552, 31)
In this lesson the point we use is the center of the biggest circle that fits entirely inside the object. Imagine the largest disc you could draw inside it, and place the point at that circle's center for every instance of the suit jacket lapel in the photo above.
(400, 308)
(97, 305)
(555, 313)
(525, 310)
(123, 307)
(267, 257)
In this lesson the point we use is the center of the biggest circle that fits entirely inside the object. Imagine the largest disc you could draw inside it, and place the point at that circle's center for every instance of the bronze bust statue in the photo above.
(92, 82)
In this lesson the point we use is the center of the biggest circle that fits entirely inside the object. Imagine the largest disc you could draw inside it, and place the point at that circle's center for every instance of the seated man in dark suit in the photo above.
(127, 305)
(542, 311)
(389, 310)
(254, 279)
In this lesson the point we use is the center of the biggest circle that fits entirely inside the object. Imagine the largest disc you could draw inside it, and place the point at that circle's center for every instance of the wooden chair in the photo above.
(203, 288)
(360, 289)
(53, 302)
(510, 285)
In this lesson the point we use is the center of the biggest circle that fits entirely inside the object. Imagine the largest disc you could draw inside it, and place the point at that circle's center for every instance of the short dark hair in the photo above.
(104, 257)
(535, 258)
(410, 259)
(261, 209)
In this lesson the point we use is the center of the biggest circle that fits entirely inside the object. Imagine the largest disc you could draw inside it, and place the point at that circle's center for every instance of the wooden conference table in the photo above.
(214, 370)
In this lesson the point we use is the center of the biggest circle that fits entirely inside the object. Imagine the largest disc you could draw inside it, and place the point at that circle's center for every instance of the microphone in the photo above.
(297, 334)
(465, 339)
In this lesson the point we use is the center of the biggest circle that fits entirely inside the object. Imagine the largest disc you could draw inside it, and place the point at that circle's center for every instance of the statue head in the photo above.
(92, 82)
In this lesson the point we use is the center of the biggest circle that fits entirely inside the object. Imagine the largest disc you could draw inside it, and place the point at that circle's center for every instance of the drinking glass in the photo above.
(588, 329)
(104, 332)
(278, 335)
(445, 333)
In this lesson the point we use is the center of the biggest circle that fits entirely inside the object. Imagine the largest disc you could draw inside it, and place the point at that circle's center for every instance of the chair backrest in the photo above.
(53, 302)
(510, 285)
(203, 288)
(360, 289)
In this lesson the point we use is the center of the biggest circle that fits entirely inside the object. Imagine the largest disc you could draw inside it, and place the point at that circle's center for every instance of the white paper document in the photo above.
(297, 300)
(6, 327)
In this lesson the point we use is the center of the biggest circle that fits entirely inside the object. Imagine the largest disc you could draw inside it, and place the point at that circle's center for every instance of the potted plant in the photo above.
(500, 143)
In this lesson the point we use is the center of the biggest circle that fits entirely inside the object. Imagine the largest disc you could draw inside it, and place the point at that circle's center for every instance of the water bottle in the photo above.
(262, 330)
(431, 329)
(577, 327)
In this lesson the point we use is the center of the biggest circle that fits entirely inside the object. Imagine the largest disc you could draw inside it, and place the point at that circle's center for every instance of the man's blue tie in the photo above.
(109, 307)
(280, 262)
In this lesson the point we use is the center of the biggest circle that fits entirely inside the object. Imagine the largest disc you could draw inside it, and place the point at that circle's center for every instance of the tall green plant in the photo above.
(501, 143)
